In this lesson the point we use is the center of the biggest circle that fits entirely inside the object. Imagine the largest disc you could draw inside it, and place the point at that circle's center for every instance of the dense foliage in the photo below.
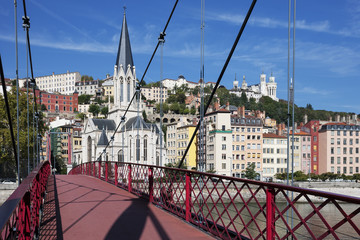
(273, 109)
(7, 158)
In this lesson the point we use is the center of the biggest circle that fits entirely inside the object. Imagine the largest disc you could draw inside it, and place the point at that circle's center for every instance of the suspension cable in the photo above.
(202, 166)
(162, 35)
(26, 24)
(26, 21)
(17, 95)
(220, 77)
(8, 111)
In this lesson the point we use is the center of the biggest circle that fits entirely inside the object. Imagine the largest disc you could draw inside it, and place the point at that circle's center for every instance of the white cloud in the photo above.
(310, 90)
(321, 26)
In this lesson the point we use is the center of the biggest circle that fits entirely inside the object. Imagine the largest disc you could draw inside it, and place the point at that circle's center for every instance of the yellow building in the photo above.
(184, 134)
(108, 87)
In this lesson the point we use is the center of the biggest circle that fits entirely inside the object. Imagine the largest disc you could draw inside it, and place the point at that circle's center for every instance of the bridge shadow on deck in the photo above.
(50, 225)
(92, 209)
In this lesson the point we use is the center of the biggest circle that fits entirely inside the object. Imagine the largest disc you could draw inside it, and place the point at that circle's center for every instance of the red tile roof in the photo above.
(272, 135)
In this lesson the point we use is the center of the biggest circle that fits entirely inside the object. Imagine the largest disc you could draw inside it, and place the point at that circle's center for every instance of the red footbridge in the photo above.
(116, 200)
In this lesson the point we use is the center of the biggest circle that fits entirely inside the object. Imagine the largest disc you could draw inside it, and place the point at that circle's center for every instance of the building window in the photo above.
(223, 146)
(223, 156)
(145, 149)
(223, 165)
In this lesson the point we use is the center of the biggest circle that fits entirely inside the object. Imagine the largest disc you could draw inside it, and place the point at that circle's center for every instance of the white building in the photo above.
(218, 142)
(62, 83)
(258, 90)
(135, 141)
(89, 87)
(274, 155)
(154, 93)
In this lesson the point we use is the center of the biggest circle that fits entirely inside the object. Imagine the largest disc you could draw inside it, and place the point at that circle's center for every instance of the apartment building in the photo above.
(88, 88)
(57, 103)
(154, 93)
(171, 142)
(305, 139)
(108, 88)
(62, 83)
(184, 134)
(339, 148)
(218, 142)
(312, 127)
(247, 139)
(274, 155)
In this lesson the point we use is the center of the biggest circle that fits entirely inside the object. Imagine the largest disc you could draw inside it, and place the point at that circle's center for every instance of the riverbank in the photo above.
(344, 188)
(5, 191)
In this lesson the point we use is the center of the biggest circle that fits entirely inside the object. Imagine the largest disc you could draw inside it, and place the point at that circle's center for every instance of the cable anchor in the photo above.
(161, 38)
(26, 22)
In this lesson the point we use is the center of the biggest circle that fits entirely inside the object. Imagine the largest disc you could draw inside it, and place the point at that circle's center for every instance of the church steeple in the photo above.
(124, 55)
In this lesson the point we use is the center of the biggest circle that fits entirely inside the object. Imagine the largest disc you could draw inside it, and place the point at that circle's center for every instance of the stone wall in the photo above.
(6, 190)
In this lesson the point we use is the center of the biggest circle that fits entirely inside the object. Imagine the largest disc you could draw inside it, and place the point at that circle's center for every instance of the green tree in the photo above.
(84, 99)
(281, 176)
(250, 172)
(145, 116)
(175, 107)
(193, 110)
(196, 90)
(82, 116)
(104, 111)
(43, 107)
(300, 176)
(94, 109)
(7, 158)
(86, 78)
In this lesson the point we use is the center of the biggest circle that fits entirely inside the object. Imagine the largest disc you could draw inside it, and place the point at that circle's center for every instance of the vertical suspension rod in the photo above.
(220, 76)
(162, 41)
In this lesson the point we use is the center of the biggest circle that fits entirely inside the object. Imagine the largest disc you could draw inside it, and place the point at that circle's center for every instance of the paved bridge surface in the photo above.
(82, 207)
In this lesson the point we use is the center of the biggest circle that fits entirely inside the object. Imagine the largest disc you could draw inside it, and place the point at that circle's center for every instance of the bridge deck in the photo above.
(81, 207)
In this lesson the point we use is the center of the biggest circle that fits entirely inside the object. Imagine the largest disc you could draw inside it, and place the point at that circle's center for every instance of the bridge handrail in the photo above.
(205, 199)
(19, 215)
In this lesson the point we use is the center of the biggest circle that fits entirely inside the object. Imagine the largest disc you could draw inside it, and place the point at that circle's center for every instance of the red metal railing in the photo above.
(233, 208)
(19, 215)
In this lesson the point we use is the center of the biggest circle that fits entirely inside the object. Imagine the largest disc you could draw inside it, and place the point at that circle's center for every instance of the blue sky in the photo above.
(83, 36)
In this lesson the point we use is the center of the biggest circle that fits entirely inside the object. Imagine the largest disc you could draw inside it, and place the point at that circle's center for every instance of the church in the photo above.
(135, 140)
(256, 91)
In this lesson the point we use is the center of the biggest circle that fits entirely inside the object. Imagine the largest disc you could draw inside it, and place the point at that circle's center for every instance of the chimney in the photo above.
(343, 119)
(216, 106)
(295, 127)
(330, 119)
(238, 111)
(301, 125)
(227, 106)
(348, 119)
(242, 111)
(279, 130)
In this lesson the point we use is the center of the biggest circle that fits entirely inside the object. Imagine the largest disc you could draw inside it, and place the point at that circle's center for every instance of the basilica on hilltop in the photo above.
(256, 91)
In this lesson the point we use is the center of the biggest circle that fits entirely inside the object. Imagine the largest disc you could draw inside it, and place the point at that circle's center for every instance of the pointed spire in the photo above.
(124, 55)
(103, 140)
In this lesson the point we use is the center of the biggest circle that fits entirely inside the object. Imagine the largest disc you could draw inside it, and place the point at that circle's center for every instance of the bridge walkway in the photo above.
(82, 207)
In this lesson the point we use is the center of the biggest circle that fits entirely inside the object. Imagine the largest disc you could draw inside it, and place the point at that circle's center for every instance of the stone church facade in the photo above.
(135, 140)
